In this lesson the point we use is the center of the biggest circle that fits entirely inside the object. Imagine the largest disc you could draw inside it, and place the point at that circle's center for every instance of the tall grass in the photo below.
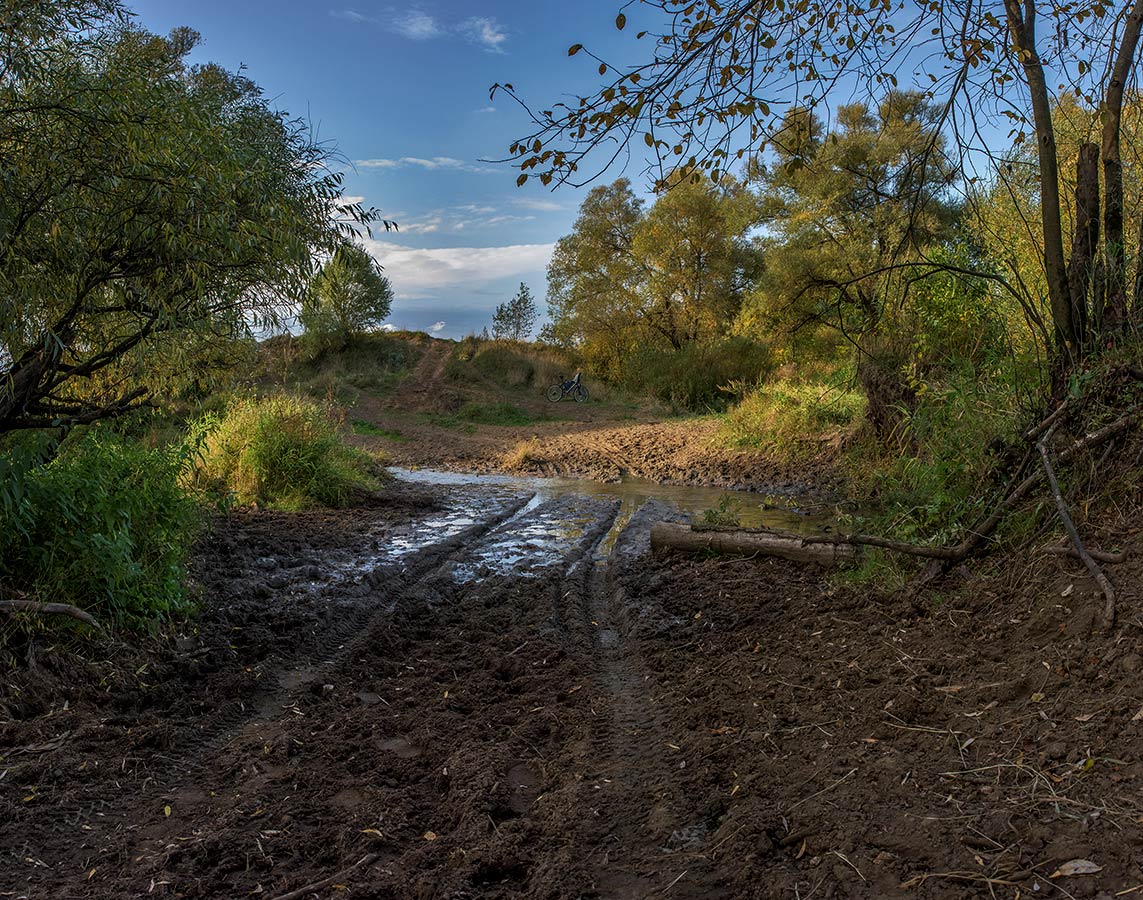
(795, 420)
(104, 526)
(282, 451)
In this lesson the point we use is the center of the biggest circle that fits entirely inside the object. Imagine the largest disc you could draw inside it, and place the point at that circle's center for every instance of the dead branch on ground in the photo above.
(1077, 542)
(48, 609)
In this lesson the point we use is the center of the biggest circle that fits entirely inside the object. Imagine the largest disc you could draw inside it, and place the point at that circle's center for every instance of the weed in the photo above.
(282, 450)
(725, 513)
(525, 455)
(361, 426)
(104, 526)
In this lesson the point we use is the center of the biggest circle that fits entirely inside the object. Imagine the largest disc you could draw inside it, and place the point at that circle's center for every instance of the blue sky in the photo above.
(402, 91)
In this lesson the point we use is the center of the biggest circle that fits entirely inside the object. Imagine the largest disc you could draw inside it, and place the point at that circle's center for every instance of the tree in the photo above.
(722, 72)
(514, 320)
(347, 296)
(593, 279)
(147, 208)
(845, 209)
(668, 277)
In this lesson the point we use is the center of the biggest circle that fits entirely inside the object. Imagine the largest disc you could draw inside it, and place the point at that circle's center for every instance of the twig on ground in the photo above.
(1069, 526)
(318, 885)
(1102, 555)
(824, 790)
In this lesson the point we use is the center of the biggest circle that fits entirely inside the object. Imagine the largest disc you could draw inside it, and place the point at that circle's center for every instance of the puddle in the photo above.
(754, 510)
(543, 531)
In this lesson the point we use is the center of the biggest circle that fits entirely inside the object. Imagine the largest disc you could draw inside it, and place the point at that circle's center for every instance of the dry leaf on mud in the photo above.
(1138, 717)
(372, 831)
(1086, 717)
(724, 729)
(1076, 867)
(430, 835)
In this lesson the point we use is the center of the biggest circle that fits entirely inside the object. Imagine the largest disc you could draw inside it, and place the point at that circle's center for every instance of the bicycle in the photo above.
(572, 388)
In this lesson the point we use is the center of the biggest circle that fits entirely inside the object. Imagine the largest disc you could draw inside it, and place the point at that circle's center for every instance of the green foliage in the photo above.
(371, 363)
(504, 365)
(796, 420)
(361, 426)
(626, 279)
(346, 297)
(494, 414)
(700, 376)
(848, 213)
(726, 513)
(152, 212)
(283, 451)
(515, 319)
(104, 526)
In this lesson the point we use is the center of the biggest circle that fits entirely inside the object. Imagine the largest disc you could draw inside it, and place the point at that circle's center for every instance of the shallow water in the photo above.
(754, 510)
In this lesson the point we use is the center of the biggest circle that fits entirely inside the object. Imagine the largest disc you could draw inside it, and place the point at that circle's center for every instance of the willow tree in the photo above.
(719, 76)
(147, 207)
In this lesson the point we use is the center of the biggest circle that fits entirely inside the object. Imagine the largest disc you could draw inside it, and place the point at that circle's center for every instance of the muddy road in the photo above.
(474, 692)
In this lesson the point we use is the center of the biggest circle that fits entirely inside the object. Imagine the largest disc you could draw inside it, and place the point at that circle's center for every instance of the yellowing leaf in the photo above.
(620, 21)
(1077, 867)
(574, 49)
(166, 811)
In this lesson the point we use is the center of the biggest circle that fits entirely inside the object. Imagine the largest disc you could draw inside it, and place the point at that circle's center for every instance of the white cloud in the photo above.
(349, 201)
(485, 109)
(351, 15)
(388, 326)
(539, 205)
(484, 31)
(436, 327)
(418, 273)
(464, 217)
(436, 163)
(416, 26)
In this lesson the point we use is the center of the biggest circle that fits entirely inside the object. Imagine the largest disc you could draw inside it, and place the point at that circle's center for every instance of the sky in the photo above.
(402, 92)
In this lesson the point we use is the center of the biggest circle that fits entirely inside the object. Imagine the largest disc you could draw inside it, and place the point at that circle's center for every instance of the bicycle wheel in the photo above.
(555, 393)
(580, 394)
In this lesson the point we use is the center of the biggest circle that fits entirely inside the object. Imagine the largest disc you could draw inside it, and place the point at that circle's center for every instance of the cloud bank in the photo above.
(421, 273)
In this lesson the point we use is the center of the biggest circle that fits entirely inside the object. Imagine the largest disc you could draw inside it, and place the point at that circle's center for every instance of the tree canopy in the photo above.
(141, 199)
(347, 296)
(668, 276)
(719, 78)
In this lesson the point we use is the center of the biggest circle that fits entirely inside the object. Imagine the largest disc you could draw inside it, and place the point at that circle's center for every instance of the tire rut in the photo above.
(641, 824)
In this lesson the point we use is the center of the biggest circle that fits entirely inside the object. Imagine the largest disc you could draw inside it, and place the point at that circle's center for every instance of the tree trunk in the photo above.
(1137, 299)
(1115, 306)
(1023, 31)
(1086, 238)
(747, 543)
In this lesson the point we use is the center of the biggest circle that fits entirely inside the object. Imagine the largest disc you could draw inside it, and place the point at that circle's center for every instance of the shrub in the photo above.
(104, 526)
(699, 376)
(504, 365)
(281, 450)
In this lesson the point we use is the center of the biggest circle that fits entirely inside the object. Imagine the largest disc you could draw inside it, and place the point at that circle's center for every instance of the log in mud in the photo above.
(478, 693)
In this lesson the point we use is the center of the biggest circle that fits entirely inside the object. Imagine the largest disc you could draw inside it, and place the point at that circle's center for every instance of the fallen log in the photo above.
(741, 542)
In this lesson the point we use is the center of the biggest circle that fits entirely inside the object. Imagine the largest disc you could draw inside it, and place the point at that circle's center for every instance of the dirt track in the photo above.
(457, 696)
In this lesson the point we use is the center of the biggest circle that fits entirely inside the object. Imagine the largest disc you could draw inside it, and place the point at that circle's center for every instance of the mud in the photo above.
(505, 703)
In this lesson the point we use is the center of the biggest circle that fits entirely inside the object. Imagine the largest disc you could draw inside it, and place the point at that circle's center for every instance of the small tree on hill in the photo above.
(515, 319)
(347, 296)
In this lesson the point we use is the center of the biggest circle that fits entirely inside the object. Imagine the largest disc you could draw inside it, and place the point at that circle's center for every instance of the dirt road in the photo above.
(476, 693)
